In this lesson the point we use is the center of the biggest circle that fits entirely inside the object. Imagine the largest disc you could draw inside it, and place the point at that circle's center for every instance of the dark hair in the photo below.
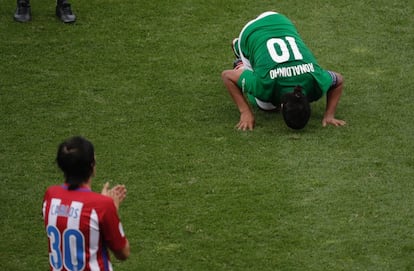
(296, 109)
(76, 158)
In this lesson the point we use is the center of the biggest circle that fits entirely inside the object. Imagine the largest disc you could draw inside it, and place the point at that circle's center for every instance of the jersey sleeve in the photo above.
(251, 83)
(248, 82)
(113, 232)
(323, 80)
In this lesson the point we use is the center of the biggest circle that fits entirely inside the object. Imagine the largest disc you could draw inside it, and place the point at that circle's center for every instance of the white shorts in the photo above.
(265, 105)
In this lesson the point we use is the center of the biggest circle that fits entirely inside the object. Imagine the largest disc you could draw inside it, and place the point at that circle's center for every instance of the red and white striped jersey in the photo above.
(81, 225)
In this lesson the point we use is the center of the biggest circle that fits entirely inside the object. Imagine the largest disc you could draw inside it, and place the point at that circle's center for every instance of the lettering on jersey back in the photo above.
(291, 71)
(64, 210)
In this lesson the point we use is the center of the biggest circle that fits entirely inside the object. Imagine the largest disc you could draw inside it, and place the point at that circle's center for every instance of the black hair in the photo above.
(76, 158)
(296, 109)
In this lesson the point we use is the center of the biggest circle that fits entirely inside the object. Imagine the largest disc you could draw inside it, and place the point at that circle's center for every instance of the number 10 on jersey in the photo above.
(283, 53)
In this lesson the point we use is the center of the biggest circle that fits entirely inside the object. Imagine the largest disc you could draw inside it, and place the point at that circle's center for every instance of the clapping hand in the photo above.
(117, 193)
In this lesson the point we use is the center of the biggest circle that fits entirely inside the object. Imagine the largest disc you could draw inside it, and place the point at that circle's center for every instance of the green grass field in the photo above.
(141, 79)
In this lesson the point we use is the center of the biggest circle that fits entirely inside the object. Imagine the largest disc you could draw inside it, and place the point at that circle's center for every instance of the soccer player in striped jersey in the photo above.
(277, 70)
(82, 225)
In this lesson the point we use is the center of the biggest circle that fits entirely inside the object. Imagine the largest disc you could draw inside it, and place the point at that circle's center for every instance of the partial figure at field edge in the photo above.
(63, 11)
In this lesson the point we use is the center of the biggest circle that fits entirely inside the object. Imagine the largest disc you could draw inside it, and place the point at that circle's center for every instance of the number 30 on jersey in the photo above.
(72, 255)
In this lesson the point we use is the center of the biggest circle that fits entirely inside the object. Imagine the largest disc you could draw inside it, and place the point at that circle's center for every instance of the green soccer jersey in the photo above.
(279, 60)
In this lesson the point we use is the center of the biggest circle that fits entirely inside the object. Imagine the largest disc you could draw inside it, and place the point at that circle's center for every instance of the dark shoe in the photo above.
(237, 62)
(23, 11)
(65, 14)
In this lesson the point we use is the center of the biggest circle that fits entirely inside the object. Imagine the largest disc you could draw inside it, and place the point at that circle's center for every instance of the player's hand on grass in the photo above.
(332, 121)
(246, 121)
(117, 193)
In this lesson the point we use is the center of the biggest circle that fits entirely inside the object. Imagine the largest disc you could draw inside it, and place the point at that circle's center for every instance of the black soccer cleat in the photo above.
(64, 13)
(237, 62)
(23, 11)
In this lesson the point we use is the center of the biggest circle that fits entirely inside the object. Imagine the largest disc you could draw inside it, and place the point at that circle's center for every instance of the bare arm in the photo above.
(230, 78)
(123, 253)
(332, 100)
(118, 194)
